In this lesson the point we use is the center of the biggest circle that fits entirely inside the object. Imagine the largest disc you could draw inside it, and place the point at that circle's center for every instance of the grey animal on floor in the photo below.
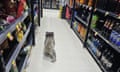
(49, 43)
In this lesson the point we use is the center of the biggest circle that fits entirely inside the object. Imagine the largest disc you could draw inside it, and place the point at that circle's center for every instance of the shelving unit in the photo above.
(16, 58)
(107, 19)
(17, 50)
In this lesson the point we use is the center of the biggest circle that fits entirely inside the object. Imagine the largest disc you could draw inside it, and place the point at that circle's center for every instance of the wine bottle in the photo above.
(103, 55)
(104, 28)
(109, 30)
(82, 1)
(109, 63)
(115, 33)
(100, 23)
(118, 36)
(2, 63)
(100, 49)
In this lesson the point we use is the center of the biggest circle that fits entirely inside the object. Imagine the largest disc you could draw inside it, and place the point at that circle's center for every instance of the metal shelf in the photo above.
(111, 14)
(78, 35)
(17, 50)
(108, 42)
(96, 59)
(12, 27)
(81, 21)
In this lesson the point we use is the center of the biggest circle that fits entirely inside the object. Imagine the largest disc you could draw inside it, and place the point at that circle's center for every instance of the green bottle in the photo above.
(94, 20)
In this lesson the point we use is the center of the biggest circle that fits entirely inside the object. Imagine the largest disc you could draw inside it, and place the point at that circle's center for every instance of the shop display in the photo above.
(16, 33)
(97, 25)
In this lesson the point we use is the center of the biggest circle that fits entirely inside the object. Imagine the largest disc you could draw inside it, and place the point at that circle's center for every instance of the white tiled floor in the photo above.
(71, 56)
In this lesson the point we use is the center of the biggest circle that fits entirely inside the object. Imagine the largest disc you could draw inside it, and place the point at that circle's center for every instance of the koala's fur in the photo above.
(49, 46)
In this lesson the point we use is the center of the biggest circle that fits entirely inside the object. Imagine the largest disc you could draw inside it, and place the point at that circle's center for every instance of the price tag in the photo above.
(118, 17)
(9, 36)
(96, 33)
(95, 9)
(106, 13)
(90, 8)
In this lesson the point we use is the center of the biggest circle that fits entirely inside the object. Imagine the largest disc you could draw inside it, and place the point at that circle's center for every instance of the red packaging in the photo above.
(20, 8)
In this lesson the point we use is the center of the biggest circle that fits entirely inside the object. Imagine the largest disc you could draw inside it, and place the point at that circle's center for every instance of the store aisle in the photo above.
(71, 56)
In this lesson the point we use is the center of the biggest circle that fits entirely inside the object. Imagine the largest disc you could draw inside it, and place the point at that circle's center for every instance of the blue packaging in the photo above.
(114, 37)
(118, 41)
(75, 13)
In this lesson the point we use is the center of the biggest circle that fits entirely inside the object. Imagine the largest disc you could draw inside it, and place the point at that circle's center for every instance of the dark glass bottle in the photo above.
(105, 27)
(2, 63)
(117, 11)
(100, 23)
(109, 29)
(103, 55)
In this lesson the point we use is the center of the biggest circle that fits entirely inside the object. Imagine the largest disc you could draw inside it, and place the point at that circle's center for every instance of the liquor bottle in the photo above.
(90, 3)
(71, 3)
(100, 23)
(94, 21)
(115, 33)
(110, 61)
(2, 62)
(103, 55)
(109, 30)
(79, 11)
(100, 49)
(19, 32)
(118, 36)
(104, 28)
(82, 1)
(85, 15)
(109, 25)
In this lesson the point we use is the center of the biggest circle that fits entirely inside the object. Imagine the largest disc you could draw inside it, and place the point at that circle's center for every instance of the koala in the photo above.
(49, 45)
